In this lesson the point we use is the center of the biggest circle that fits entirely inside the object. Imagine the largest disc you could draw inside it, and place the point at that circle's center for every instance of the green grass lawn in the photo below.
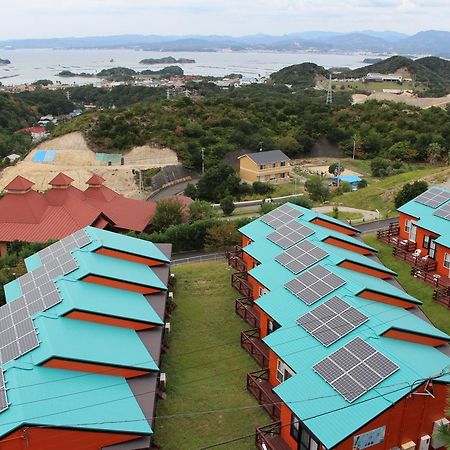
(380, 193)
(205, 365)
(439, 315)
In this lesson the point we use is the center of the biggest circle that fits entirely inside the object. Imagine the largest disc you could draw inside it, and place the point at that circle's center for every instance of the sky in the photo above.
(62, 18)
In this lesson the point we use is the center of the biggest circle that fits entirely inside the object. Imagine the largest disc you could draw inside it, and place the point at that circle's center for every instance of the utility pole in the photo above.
(329, 93)
(354, 147)
(203, 160)
(338, 170)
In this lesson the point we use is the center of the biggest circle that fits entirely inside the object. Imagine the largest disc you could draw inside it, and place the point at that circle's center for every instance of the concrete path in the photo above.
(368, 216)
(172, 190)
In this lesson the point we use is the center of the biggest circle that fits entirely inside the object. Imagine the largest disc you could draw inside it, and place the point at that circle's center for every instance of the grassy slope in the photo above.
(381, 192)
(439, 315)
(206, 367)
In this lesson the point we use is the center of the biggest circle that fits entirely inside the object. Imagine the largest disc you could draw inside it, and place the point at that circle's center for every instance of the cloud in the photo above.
(48, 18)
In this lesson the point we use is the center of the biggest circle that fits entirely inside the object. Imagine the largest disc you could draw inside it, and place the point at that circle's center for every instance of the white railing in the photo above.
(199, 258)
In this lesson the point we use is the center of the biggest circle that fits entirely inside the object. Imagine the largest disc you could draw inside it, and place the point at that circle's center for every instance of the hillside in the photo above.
(299, 75)
(432, 72)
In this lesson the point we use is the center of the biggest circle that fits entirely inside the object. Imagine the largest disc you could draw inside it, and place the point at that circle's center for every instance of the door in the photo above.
(412, 233)
(432, 250)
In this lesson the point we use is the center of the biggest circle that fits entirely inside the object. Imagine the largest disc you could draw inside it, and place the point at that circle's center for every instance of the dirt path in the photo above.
(78, 161)
(367, 215)
(425, 102)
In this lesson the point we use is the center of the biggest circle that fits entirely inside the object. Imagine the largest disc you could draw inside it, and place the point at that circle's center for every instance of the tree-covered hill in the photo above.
(299, 75)
(274, 115)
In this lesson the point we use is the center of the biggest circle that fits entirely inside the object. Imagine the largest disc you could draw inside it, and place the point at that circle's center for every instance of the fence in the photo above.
(199, 258)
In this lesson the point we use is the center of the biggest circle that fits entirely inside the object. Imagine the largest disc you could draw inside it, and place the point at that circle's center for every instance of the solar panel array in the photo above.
(289, 234)
(443, 212)
(301, 256)
(283, 214)
(433, 198)
(17, 333)
(332, 320)
(314, 284)
(355, 368)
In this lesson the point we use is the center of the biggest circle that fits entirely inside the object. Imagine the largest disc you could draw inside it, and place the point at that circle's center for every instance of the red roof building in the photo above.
(27, 215)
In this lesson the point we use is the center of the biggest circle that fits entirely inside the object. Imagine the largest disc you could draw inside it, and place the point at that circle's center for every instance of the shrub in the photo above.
(227, 205)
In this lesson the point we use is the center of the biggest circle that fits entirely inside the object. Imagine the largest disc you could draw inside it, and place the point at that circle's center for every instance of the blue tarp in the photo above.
(44, 156)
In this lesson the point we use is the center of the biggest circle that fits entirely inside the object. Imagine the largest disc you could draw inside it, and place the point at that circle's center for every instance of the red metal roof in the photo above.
(35, 129)
(19, 184)
(30, 216)
(61, 180)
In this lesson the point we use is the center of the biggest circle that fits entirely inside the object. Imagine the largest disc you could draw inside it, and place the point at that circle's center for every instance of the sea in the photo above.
(29, 65)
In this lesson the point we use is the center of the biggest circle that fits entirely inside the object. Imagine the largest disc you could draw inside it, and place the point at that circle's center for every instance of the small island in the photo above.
(167, 60)
(4, 62)
(372, 60)
(68, 73)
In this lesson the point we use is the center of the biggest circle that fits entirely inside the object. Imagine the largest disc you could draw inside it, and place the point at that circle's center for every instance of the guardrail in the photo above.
(199, 258)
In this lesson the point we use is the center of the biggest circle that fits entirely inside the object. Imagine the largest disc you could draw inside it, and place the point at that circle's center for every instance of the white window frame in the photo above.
(282, 370)
(446, 262)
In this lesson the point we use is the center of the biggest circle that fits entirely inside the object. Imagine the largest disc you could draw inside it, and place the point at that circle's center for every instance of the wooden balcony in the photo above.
(442, 296)
(389, 235)
(239, 282)
(436, 280)
(244, 308)
(251, 342)
(258, 384)
(235, 259)
(268, 438)
(422, 263)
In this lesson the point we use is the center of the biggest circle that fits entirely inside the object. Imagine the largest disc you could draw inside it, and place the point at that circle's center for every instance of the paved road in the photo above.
(375, 226)
(172, 190)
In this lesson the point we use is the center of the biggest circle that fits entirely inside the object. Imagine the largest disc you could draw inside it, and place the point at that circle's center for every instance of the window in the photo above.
(447, 260)
(426, 242)
(272, 326)
(295, 427)
(408, 225)
(282, 163)
(274, 165)
(283, 371)
(262, 167)
(282, 175)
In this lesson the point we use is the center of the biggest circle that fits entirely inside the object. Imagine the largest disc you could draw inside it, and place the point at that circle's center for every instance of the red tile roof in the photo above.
(35, 130)
(30, 216)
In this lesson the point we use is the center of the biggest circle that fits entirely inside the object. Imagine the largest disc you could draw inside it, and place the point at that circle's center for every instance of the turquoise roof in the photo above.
(428, 220)
(79, 340)
(62, 398)
(105, 300)
(55, 397)
(117, 269)
(323, 410)
(127, 244)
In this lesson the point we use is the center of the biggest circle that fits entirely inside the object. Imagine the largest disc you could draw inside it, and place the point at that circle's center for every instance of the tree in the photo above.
(380, 167)
(191, 191)
(201, 210)
(227, 205)
(336, 168)
(410, 191)
(262, 188)
(317, 189)
(217, 183)
(222, 237)
(436, 153)
(168, 212)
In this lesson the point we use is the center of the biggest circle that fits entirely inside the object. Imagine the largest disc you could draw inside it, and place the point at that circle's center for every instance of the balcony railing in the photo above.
(235, 259)
(258, 384)
(442, 296)
(268, 438)
(239, 282)
(433, 278)
(245, 309)
(423, 263)
(389, 235)
(251, 342)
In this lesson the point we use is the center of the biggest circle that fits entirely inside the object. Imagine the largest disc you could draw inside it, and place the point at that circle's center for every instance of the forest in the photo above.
(241, 119)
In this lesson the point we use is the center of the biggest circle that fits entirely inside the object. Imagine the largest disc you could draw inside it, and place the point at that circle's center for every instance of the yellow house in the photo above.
(268, 167)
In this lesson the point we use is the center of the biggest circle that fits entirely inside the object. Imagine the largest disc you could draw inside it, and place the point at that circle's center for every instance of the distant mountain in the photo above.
(431, 42)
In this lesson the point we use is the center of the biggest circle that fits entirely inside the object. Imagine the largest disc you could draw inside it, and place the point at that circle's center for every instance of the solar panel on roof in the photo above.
(315, 283)
(331, 320)
(281, 215)
(301, 256)
(355, 368)
(433, 198)
(289, 234)
(443, 212)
